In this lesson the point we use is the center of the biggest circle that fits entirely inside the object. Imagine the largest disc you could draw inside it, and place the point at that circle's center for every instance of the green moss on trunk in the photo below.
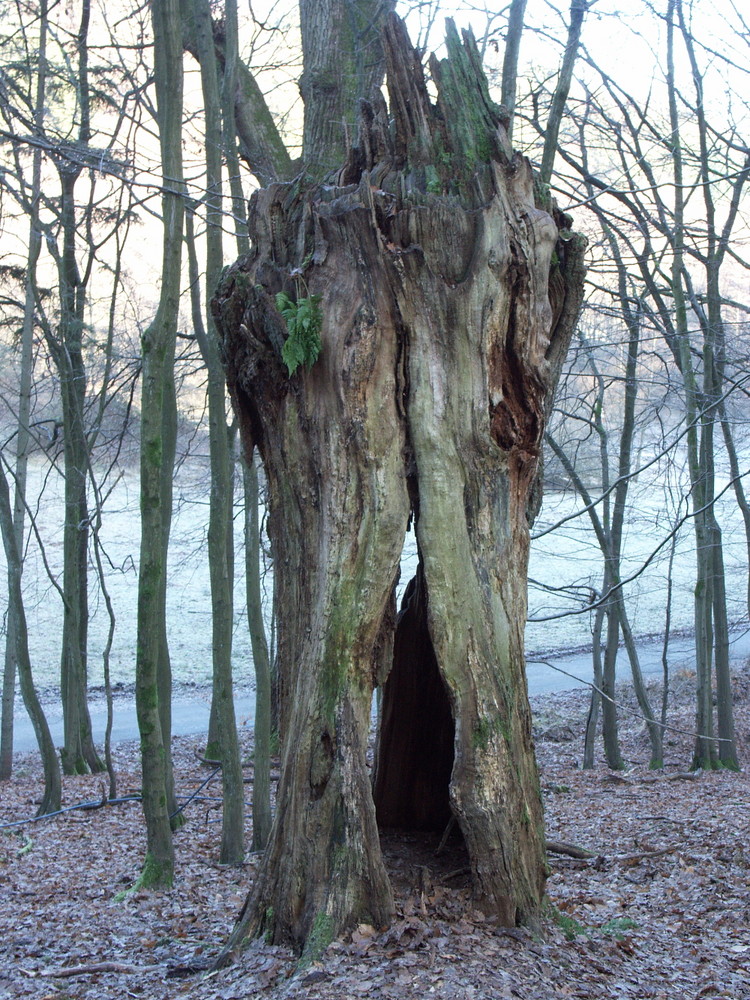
(322, 933)
(155, 874)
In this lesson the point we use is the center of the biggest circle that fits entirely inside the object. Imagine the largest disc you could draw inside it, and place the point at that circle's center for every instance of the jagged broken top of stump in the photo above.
(437, 148)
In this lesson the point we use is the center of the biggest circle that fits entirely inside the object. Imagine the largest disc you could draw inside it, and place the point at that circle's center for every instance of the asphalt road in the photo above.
(191, 707)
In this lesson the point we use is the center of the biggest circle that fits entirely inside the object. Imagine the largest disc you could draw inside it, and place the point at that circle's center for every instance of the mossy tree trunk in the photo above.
(342, 54)
(223, 741)
(158, 422)
(447, 302)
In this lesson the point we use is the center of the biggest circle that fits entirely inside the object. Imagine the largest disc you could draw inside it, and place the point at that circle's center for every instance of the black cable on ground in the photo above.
(81, 805)
(110, 802)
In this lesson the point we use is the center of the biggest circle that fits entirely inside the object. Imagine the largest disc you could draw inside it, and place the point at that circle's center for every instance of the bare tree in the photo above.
(23, 432)
(52, 783)
(670, 188)
(158, 418)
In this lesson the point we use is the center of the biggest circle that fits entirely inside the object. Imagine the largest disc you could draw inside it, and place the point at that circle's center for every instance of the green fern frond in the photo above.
(304, 320)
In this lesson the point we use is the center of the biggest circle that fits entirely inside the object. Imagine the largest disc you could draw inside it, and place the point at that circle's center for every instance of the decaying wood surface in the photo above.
(448, 296)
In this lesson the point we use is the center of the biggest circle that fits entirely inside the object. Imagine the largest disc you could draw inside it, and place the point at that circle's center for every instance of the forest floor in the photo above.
(661, 910)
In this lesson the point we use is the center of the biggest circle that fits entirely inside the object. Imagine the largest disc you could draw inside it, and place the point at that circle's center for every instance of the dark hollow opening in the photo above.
(414, 753)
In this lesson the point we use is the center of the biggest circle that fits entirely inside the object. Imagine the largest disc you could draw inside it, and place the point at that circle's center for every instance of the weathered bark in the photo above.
(434, 270)
(343, 58)
(332, 442)
(262, 815)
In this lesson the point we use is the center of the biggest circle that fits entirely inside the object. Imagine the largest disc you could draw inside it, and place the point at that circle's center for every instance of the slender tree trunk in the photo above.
(222, 743)
(66, 345)
(168, 441)
(714, 349)
(428, 399)
(152, 673)
(724, 706)
(655, 730)
(739, 490)
(23, 439)
(609, 701)
(78, 752)
(220, 533)
(108, 760)
(596, 698)
(610, 589)
(624, 469)
(578, 9)
(510, 59)
(667, 631)
(52, 783)
(229, 88)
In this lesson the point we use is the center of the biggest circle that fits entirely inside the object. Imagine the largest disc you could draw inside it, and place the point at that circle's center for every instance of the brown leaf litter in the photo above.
(658, 907)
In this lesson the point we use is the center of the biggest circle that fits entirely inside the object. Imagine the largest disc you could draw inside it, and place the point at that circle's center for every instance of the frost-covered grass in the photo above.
(568, 561)
(188, 593)
(566, 558)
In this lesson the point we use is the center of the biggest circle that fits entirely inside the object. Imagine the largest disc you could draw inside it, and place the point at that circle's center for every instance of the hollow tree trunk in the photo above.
(414, 760)
(333, 443)
(434, 269)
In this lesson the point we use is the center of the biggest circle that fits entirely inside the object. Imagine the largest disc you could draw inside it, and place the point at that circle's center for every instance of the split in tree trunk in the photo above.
(416, 734)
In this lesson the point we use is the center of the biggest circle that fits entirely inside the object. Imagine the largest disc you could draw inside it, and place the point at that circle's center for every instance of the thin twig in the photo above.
(98, 967)
(630, 711)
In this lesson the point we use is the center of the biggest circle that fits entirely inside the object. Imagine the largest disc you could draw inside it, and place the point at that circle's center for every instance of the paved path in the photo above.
(546, 677)
(190, 709)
